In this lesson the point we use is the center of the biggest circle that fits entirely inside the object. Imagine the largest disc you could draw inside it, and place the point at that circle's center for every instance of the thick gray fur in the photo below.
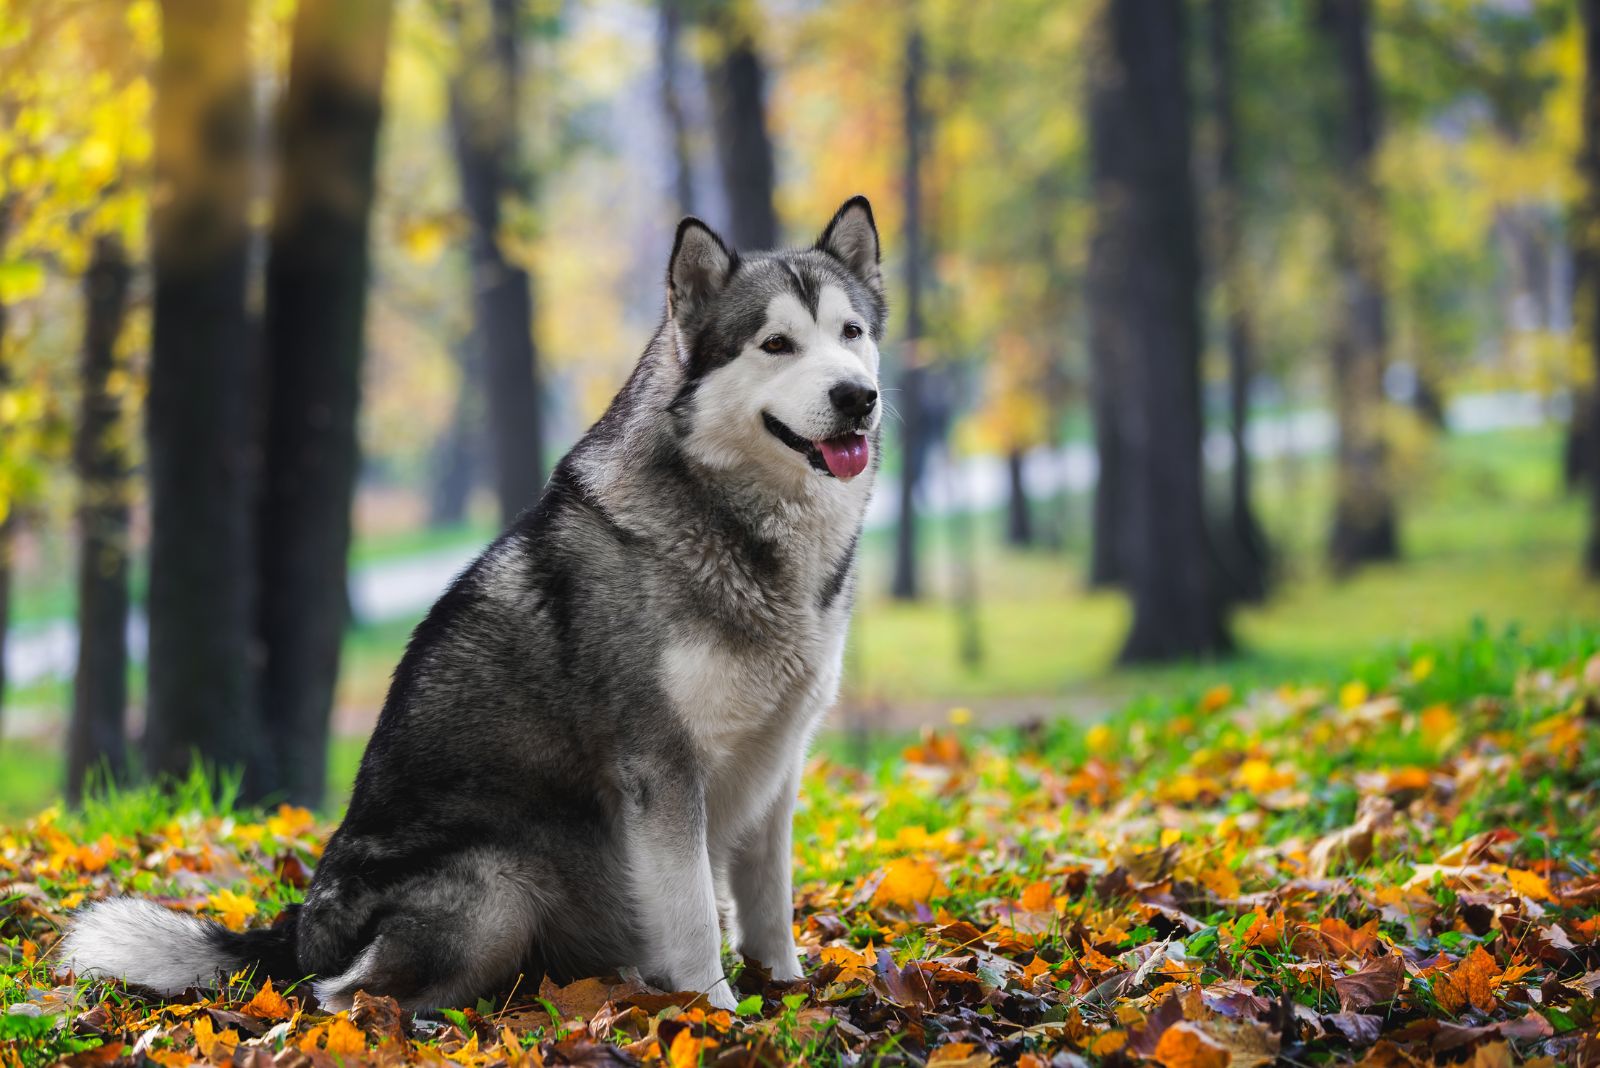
(592, 744)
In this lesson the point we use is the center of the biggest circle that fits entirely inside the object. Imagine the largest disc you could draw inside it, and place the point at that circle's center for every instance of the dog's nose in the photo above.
(853, 399)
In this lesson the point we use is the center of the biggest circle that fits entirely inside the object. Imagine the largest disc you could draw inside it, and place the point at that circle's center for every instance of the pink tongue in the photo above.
(845, 455)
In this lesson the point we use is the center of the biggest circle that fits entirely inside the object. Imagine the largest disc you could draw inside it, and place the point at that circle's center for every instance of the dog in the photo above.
(591, 749)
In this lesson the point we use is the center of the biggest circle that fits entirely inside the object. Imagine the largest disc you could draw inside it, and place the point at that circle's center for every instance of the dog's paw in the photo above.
(721, 996)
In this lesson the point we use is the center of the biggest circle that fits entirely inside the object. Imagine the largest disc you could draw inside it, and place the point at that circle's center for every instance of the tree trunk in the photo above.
(1144, 286)
(483, 120)
(736, 82)
(906, 584)
(1364, 524)
(1019, 516)
(668, 33)
(1105, 545)
(1247, 553)
(199, 599)
(97, 737)
(457, 455)
(315, 314)
(1588, 231)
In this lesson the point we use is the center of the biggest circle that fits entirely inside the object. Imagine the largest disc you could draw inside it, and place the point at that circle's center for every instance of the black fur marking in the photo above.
(841, 573)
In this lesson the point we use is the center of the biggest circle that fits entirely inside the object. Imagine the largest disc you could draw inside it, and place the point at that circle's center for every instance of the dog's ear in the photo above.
(698, 270)
(852, 239)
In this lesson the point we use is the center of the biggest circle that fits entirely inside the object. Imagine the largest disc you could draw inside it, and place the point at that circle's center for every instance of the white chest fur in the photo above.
(750, 713)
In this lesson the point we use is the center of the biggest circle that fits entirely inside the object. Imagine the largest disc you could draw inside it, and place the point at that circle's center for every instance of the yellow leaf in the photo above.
(908, 882)
(235, 908)
(1353, 694)
(346, 1037)
(1216, 697)
(1528, 884)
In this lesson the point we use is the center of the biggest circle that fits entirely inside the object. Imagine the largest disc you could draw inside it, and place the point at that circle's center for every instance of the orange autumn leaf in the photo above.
(959, 1055)
(267, 1004)
(908, 882)
(1183, 1045)
(686, 1049)
(345, 1037)
(1470, 982)
(1037, 897)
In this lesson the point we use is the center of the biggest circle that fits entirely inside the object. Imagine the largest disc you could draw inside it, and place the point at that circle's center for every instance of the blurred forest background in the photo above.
(1259, 329)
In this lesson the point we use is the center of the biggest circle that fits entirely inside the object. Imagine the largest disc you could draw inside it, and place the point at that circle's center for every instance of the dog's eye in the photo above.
(852, 331)
(777, 344)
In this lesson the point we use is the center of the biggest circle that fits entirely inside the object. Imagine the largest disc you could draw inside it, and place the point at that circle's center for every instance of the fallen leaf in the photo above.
(1375, 983)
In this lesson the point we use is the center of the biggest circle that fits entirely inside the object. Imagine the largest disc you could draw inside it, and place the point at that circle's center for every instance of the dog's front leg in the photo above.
(760, 876)
(671, 872)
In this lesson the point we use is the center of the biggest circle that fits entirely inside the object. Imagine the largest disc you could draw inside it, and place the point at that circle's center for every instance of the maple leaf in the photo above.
(267, 1004)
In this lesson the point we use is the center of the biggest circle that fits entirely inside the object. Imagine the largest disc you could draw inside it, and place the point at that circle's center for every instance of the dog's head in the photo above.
(779, 350)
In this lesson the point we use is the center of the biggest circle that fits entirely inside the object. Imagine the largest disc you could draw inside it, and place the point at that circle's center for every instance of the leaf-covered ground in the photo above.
(1397, 867)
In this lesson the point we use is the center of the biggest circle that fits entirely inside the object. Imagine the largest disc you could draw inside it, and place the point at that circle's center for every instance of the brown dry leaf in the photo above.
(1376, 983)
(1185, 1045)
(378, 1016)
(582, 998)
(1353, 844)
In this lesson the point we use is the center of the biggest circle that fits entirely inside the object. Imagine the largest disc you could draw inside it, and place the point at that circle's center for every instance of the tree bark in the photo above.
(1105, 545)
(457, 456)
(1588, 252)
(483, 120)
(199, 599)
(316, 295)
(1247, 554)
(1144, 287)
(97, 735)
(906, 583)
(736, 81)
(1019, 515)
(1364, 523)
(668, 33)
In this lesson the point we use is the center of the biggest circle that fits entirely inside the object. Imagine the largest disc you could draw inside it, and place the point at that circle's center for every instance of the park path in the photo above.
(400, 589)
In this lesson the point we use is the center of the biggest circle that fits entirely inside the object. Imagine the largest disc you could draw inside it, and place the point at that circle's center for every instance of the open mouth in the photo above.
(844, 456)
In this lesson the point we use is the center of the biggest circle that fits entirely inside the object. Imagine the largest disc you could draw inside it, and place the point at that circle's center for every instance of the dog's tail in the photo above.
(144, 944)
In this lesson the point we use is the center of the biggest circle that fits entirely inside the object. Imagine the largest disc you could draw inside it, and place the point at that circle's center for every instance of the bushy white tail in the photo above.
(146, 945)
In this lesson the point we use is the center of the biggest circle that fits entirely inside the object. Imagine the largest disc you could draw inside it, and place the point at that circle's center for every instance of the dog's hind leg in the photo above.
(444, 939)
(670, 869)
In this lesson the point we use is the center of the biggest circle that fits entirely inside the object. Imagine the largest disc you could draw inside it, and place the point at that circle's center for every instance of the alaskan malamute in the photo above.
(595, 737)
